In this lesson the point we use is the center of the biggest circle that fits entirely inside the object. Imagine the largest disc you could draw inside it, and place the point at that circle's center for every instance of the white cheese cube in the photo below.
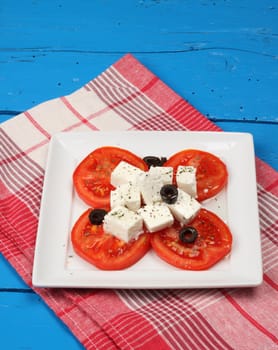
(156, 217)
(150, 187)
(186, 179)
(125, 173)
(165, 173)
(126, 195)
(123, 223)
(185, 208)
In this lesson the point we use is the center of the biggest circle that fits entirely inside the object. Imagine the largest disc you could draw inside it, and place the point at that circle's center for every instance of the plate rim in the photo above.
(64, 278)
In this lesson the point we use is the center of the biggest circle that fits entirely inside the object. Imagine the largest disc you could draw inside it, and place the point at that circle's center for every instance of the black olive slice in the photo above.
(96, 216)
(154, 161)
(188, 234)
(169, 194)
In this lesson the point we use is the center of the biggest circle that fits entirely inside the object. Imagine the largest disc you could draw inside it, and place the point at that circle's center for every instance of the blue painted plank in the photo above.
(140, 26)
(221, 55)
(27, 323)
(9, 279)
(220, 84)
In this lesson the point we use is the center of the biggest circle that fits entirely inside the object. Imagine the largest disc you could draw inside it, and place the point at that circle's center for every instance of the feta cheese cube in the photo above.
(150, 187)
(185, 208)
(165, 173)
(125, 173)
(126, 195)
(123, 223)
(186, 179)
(156, 216)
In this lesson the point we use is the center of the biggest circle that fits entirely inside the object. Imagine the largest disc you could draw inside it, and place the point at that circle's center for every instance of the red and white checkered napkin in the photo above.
(127, 96)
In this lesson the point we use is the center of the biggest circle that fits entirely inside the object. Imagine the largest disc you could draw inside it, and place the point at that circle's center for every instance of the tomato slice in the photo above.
(214, 242)
(211, 174)
(91, 178)
(103, 250)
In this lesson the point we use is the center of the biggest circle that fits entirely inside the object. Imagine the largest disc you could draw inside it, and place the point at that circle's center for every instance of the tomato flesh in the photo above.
(104, 250)
(213, 243)
(211, 173)
(91, 178)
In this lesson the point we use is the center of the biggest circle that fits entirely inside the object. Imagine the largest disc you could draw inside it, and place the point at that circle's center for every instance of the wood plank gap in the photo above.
(244, 121)
(17, 290)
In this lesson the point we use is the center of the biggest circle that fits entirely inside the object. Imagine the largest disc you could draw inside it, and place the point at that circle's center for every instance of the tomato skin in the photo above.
(213, 243)
(91, 178)
(211, 174)
(103, 250)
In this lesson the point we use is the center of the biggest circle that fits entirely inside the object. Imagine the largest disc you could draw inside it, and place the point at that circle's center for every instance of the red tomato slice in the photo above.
(211, 174)
(214, 241)
(91, 178)
(104, 250)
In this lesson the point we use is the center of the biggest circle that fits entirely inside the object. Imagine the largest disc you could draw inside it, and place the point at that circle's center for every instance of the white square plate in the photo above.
(57, 265)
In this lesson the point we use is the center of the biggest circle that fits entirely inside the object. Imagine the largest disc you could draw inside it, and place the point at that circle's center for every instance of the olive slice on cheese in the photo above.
(169, 194)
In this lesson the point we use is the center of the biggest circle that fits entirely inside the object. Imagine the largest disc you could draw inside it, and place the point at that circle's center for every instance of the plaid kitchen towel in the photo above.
(127, 96)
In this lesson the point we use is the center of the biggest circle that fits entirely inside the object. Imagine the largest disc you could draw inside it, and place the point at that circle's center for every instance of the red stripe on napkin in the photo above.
(37, 125)
(76, 113)
(271, 282)
(250, 318)
(129, 96)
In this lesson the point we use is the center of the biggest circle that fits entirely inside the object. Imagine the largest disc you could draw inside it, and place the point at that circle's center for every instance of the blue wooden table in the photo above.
(222, 56)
